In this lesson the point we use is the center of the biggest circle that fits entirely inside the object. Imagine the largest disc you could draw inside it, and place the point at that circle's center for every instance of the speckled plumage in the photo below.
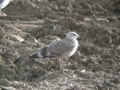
(60, 48)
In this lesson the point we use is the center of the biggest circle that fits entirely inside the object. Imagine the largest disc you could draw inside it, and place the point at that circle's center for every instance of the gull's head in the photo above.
(72, 35)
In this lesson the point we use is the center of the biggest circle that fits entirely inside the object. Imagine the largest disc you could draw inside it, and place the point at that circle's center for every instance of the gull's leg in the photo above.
(61, 64)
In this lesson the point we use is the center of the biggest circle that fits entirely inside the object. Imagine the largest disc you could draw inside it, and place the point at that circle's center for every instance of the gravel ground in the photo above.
(32, 24)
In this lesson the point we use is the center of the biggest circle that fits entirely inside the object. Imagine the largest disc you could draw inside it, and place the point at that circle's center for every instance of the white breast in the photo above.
(76, 44)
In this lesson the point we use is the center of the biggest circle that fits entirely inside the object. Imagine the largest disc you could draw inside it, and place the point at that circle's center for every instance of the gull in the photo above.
(60, 48)
(3, 4)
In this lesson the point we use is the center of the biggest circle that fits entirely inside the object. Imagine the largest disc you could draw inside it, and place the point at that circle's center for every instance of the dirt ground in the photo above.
(33, 24)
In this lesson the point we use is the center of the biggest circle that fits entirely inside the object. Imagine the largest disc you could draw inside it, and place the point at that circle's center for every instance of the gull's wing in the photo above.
(55, 49)
(59, 47)
(42, 52)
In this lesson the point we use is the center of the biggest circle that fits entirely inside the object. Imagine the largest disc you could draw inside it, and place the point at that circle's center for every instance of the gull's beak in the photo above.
(78, 35)
(79, 38)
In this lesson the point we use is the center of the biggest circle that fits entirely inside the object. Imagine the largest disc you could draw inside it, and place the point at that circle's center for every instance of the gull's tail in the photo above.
(40, 54)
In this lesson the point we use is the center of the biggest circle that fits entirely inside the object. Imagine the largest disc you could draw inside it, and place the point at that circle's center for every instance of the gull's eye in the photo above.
(74, 34)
